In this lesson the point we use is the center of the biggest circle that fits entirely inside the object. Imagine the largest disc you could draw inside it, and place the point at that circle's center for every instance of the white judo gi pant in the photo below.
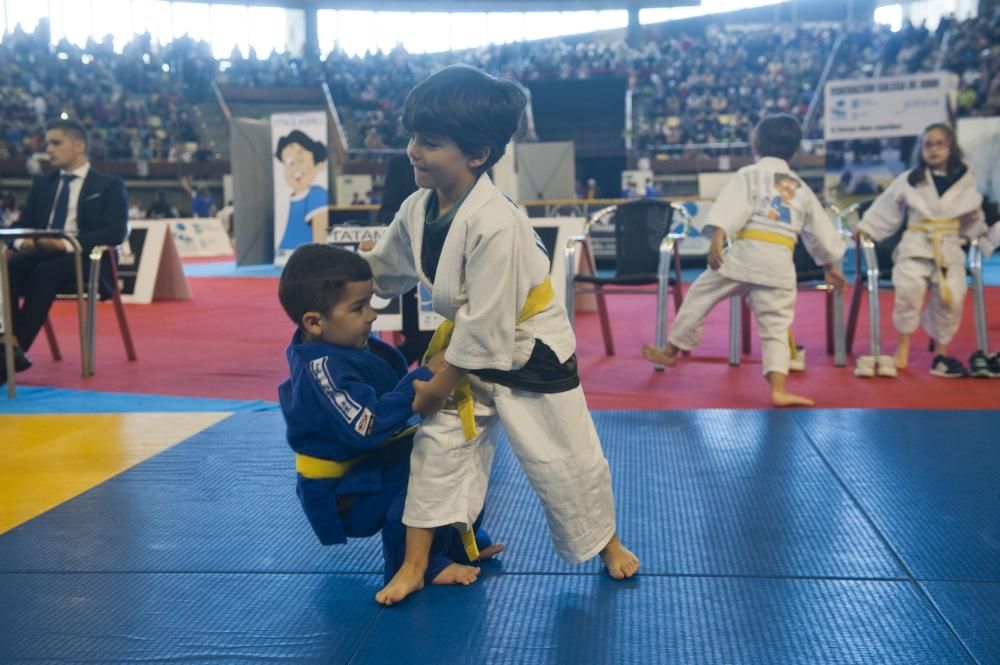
(553, 438)
(773, 308)
(911, 277)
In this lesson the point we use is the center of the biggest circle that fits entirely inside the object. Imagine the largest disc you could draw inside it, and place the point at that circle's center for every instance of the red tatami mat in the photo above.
(228, 342)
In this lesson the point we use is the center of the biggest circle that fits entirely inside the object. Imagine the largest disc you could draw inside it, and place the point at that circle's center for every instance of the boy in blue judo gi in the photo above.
(347, 406)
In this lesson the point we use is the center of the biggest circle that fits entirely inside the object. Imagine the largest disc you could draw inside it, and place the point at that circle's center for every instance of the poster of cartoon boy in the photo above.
(303, 159)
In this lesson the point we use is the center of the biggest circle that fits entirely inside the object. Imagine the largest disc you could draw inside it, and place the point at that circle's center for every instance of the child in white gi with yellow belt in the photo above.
(762, 211)
(511, 359)
(938, 202)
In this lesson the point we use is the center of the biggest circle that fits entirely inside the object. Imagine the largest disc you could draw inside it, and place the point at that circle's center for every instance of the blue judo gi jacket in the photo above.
(345, 405)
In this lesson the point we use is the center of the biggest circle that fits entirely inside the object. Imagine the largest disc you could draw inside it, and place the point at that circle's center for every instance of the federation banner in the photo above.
(887, 107)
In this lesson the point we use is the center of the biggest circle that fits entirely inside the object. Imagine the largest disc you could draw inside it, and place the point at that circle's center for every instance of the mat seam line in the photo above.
(918, 587)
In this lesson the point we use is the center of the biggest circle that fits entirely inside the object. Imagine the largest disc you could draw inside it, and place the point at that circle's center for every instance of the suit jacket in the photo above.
(101, 211)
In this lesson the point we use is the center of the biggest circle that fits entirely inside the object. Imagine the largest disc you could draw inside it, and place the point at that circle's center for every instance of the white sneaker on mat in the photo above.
(798, 363)
(864, 368)
(886, 366)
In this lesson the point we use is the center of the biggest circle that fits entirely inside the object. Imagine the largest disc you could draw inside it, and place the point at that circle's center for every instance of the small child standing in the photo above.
(347, 408)
(511, 353)
(762, 211)
(938, 202)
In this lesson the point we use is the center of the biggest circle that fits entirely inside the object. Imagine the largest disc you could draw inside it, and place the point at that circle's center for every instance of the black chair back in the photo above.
(639, 227)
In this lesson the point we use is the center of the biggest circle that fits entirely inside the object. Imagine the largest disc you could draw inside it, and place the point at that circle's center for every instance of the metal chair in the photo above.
(645, 248)
(103, 258)
(8, 322)
(809, 276)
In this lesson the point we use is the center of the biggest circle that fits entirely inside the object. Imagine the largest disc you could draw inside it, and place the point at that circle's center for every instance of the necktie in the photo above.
(62, 203)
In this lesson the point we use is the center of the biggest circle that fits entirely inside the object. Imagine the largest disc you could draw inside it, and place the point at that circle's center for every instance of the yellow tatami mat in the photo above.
(46, 460)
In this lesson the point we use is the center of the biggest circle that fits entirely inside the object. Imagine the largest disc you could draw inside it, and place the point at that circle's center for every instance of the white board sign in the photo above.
(200, 236)
(149, 267)
(887, 107)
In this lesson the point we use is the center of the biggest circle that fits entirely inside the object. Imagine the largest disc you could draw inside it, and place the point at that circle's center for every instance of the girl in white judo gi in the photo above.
(511, 355)
(938, 202)
(761, 211)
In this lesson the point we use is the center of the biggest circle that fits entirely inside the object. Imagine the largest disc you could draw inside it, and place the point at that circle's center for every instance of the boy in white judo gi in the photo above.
(762, 211)
(939, 203)
(511, 353)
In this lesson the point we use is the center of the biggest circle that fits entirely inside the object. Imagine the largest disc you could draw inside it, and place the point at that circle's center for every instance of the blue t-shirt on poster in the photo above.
(297, 231)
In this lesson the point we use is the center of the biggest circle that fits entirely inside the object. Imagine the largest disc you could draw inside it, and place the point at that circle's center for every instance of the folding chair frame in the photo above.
(92, 298)
(668, 255)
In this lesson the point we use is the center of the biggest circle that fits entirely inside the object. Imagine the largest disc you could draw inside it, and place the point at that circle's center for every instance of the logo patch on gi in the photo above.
(365, 424)
(343, 402)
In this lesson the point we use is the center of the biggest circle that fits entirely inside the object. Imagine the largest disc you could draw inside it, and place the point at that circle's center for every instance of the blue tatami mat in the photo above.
(707, 493)
(765, 537)
(582, 619)
(974, 612)
(222, 501)
(929, 479)
(32, 399)
(189, 619)
(230, 269)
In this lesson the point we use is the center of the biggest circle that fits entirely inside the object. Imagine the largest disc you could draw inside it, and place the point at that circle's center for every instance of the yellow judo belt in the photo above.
(935, 230)
(539, 298)
(767, 236)
(316, 468)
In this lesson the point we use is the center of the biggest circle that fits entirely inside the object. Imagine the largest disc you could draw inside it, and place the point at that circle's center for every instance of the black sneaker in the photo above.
(993, 362)
(979, 365)
(21, 360)
(948, 368)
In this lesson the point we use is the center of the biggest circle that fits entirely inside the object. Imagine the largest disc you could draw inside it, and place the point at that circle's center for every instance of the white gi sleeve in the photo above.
(819, 234)
(885, 216)
(973, 223)
(732, 209)
(484, 325)
(392, 262)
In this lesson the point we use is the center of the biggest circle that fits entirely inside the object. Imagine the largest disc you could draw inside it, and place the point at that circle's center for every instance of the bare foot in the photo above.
(784, 398)
(488, 553)
(659, 356)
(456, 573)
(408, 579)
(620, 562)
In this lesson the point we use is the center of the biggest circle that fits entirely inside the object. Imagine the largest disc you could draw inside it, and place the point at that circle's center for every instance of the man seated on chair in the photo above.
(77, 199)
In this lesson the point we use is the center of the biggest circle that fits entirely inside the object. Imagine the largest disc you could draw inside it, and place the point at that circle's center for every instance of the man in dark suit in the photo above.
(89, 205)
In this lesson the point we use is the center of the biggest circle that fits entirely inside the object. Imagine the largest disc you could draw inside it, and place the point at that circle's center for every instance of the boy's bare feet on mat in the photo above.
(488, 553)
(620, 562)
(785, 398)
(408, 579)
(457, 573)
(780, 396)
(662, 356)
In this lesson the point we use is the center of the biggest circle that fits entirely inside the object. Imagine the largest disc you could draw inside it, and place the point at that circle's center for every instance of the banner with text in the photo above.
(887, 107)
